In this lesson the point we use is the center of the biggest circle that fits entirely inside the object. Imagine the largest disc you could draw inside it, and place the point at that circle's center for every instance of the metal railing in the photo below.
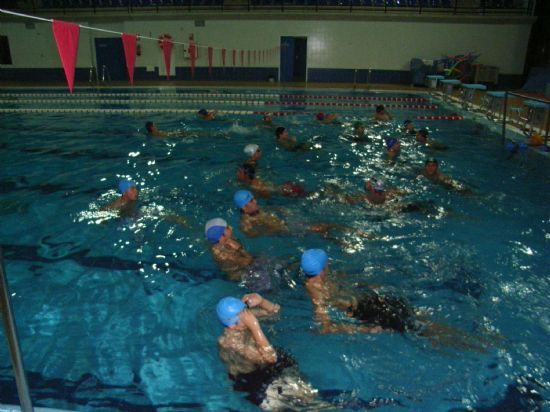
(13, 342)
(453, 7)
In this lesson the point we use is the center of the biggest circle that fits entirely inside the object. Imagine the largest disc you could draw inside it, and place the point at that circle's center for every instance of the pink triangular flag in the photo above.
(166, 45)
(210, 55)
(193, 53)
(66, 36)
(129, 41)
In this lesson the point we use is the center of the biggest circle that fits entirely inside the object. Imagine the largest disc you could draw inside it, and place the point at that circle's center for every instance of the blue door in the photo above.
(109, 52)
(287, 58)
(293, 59)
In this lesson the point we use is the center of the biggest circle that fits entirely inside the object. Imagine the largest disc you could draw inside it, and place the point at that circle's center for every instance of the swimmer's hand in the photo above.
(253, 300)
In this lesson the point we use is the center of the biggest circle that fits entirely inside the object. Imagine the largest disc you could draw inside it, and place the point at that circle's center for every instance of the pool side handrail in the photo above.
(504, 119)
(13, 342)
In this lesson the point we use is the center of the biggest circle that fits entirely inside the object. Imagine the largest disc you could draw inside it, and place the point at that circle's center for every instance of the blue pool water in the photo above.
(118, 314)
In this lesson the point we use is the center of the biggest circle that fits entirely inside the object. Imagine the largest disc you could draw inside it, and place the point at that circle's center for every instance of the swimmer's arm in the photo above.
(353, 199)
(266, 350)
(260, 305)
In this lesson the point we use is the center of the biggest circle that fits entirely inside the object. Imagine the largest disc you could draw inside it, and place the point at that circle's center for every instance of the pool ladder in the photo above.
(13, 342)
(94, 75)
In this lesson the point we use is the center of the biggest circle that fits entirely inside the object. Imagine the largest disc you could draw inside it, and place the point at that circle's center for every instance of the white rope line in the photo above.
(28, 16)
(117, 111)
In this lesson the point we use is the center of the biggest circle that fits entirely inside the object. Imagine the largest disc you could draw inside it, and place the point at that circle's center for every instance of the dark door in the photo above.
(293, 59)
(110, 53)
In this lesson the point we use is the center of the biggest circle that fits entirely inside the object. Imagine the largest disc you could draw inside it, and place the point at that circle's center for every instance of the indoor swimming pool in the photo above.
(118, 312)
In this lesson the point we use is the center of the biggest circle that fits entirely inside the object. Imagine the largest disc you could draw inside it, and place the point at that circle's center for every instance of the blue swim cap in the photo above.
(228, 310)
(215, 233)
(523, 147)
(510, 146)
(390, 142)
(313, 261)
(242, 197)
(125, 185)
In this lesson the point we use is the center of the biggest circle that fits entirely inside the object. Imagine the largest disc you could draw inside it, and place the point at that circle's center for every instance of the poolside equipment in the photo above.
(228, 310)
(448, 86)
(469, 91)
(493, 103)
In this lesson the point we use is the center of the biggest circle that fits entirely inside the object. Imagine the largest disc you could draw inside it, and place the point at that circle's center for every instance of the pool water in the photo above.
(118, 313)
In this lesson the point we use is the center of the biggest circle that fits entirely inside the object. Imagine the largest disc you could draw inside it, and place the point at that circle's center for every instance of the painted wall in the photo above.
(380, 45)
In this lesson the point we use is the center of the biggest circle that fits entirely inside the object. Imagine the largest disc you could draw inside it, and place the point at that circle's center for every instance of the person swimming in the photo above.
(422, 138)
(326, 118)
(153, 131)
(408, 127)
(381, 114)
(246, 174)
(375, 312)
(128, 198)
(254, 154)
(270, 376)
(393, 148)
(359, 132)
(227, 251)
(207, 115)
(289, 142)
(431, 172)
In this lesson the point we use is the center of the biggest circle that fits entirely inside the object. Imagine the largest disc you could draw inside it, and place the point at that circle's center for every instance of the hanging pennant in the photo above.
(242, 57)
(223, 57)
(210, 54)
(234, 57)
(129, 41)
(248, 57)
(166, 46)
(66, 36)
(193, 54)
(254, 57)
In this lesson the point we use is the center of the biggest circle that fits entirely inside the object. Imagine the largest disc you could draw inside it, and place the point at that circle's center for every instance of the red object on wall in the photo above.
(242, 57)
(129, 41)
(210, 53)
(66, 36)
(193, 54)
(234, 57)
(223, 57)
(166, 46)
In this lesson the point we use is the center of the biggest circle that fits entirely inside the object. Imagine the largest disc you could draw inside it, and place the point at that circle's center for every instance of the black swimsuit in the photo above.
(387, 312)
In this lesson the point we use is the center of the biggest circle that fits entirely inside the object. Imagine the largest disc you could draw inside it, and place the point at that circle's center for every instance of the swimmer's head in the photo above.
(203, 112)
(251, 149)
(313, 261)
(149, 126)
(228, 310)
(279, 131)
(268, 118)
(424, 133)
(320, 116)
(358, 125)
(391, 143)
(432, 160)
(242, 197)
(214, 230)
(407, 122)
(125, 185)
(380, 108)
(377, 184)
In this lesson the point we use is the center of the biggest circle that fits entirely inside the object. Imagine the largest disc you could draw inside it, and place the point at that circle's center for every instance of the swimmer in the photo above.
(127, 201)
(431, 172)
(269, 376)
(393, 148)
(153, 130)
(254, 154)
(227, 251)
(255, 222)
(422, 138)
(247, 175)
(376, 313)
(326, 118)
(381, 114)
(359, 132)
(206, 115)
(267, 120)
(288, 142)
(377, 195)
(408, 127)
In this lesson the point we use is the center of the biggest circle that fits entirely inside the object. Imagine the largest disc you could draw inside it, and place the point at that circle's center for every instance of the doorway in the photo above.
(293, 59)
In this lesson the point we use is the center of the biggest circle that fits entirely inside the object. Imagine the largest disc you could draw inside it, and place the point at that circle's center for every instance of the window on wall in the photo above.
(5, 55)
